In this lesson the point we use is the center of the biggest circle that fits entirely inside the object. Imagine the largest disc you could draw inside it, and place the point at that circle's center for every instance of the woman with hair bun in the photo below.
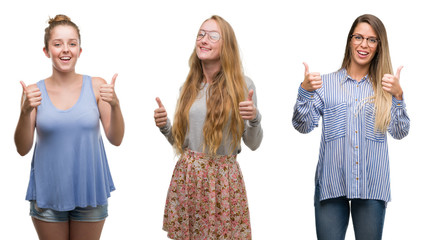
(358, 104)
(70, 180)
(215, 110)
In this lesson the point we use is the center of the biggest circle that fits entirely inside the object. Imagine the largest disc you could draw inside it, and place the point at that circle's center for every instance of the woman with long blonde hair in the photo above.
(359, 104)
(215, 110)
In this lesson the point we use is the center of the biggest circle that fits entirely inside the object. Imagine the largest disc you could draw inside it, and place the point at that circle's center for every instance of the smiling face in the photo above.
(63, 48)
(207, 50)
(362, 54)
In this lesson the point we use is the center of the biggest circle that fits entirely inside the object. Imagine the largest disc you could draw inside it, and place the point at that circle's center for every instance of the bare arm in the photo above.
(110, 110)
(24, 133)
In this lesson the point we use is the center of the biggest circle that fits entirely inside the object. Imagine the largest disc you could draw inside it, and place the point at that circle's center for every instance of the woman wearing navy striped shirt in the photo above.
(359, 104)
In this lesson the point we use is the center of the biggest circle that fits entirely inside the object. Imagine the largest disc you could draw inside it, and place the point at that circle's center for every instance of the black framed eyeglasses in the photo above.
(358, 39)
(213, 36)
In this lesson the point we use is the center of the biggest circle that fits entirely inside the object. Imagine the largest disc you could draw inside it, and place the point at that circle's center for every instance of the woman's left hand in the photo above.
(247, 108)
(391, 84)
(107, 92)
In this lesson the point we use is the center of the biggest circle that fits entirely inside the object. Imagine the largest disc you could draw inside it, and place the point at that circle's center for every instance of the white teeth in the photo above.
(65, 58)
(362, 53)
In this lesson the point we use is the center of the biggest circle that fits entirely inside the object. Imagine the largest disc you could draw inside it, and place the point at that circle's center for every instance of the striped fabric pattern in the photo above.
(353, 157)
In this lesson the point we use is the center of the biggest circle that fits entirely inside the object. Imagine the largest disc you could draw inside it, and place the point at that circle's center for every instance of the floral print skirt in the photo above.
(207, 199)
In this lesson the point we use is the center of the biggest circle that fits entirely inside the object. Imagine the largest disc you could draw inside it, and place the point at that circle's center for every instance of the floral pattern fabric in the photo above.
(207, 199)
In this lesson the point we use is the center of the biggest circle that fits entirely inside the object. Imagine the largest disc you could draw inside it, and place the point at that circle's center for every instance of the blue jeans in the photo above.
(332, 218)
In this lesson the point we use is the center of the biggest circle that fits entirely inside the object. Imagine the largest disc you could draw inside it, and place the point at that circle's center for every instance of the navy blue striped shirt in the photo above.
(353, 157)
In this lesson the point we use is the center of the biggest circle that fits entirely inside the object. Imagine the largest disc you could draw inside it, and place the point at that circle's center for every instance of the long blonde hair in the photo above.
(381, 64)
(224, 94)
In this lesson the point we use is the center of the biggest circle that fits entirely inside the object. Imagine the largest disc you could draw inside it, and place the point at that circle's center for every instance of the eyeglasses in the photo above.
(358, 39)
(213, 36)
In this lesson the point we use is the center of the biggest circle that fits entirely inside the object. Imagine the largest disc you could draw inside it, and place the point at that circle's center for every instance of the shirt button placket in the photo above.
(355, 159)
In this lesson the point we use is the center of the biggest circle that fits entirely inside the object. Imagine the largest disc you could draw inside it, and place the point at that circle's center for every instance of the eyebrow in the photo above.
(363, 35)
(209, 30)
(58, 39)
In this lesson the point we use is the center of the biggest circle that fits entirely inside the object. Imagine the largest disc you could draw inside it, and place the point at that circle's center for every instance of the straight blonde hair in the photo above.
(381, 64)
(224, 94)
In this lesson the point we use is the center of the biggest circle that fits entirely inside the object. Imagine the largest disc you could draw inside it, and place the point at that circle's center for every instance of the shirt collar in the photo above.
(346, 77)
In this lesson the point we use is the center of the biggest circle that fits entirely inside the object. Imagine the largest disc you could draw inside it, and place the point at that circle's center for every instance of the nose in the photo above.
(205, 39)
(65, 48)
(364, 43)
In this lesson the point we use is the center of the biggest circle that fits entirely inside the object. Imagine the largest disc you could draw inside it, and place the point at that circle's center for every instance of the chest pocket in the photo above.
(371, 133)
(334, 122)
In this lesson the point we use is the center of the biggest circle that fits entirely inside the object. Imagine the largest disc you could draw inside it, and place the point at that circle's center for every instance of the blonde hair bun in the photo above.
(59, 18)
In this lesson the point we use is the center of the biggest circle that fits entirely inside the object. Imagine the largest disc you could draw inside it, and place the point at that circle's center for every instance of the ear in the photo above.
(46, 52)
(80, 52)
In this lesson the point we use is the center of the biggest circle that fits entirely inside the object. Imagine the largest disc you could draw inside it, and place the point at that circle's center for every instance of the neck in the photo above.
(63, 78)
(210, 69)
(358, 72)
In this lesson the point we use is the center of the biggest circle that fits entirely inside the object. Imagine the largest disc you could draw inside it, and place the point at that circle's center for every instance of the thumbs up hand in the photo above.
(107, 92)
(160, 115)
(312, 80)
(247, 108)
(391, 84)
(31, 97)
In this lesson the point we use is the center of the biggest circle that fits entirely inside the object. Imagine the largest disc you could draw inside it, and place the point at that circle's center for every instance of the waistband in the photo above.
(199, 155)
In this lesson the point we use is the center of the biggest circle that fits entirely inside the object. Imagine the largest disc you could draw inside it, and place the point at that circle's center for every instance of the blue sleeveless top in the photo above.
(69, 167)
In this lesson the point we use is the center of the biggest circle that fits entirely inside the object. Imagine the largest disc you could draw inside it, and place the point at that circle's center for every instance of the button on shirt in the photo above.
(353, 158)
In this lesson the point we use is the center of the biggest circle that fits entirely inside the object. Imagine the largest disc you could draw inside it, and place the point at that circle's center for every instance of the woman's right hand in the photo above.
(160, 114)
(24, 133)
(312, 81)
(31, 98)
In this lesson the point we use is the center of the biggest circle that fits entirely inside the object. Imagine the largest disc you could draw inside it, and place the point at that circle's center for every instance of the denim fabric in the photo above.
(86, 214)
(332, 218)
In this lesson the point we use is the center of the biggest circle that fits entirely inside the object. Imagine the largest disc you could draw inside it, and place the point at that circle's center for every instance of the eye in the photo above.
(373, 40)
(357, 37)
(215, 36)
(201, 34)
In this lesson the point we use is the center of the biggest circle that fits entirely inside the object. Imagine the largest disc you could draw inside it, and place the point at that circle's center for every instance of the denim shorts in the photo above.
(86, 214)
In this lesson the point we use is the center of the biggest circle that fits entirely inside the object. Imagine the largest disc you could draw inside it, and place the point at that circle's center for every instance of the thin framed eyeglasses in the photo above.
(358, 39)
(213, 36)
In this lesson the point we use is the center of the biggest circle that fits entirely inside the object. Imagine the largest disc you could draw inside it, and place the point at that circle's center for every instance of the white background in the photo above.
(149, 43)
